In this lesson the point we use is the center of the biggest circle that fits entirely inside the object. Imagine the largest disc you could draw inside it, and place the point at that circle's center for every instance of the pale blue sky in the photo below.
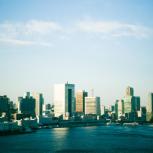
(101, 44)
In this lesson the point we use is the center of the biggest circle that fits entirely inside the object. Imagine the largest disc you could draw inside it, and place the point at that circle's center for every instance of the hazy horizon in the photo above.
(95, 44)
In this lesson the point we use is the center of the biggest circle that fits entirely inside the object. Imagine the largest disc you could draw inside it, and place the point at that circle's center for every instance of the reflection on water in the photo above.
(101, 139)
(76, 151)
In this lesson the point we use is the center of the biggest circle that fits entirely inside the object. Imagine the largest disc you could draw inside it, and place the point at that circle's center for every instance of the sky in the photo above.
(105, 45)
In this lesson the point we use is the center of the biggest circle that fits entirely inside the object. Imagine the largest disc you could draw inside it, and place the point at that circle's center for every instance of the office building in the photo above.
(129, 91)
(150, 107)
(119, 108)
(102, 109)
(64, 100)
(80, 101)
(136, 104)
(27, 105)
(4, 104)
(39, 101)
(128, 104)
(6, 108)
(92, 105)
(131, 105)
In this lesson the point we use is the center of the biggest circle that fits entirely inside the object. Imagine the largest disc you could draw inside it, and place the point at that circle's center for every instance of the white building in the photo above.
(150, 107)
(92, 105)
(119, 109)
(64, 100)
(102, 109)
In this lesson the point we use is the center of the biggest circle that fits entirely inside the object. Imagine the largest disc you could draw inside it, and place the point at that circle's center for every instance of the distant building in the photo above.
(4, 104)
(48, 110)
(136, 104)
(64, 100)
(80, 100)
(129, 91)
(92, 105)
(150, 107)
(131, 105)
(27, 105)
(143, 113)
(102, 109)
(39, 101)
(6, 108)
(128, 104)
(119, 108)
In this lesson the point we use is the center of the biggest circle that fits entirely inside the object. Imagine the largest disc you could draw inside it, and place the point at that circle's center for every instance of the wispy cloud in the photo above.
(44, 33)
(23, 42)
(28, 33)
(114, 29)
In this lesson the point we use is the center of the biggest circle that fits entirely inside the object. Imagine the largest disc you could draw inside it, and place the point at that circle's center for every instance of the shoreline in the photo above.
(71, 124)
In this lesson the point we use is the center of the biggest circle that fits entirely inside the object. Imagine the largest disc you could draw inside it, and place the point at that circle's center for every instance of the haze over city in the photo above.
(95, 44)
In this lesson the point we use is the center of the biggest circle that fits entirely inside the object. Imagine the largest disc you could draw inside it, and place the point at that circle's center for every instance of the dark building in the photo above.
(136, 104)
(6, 108)
(4, 104)
(27, 105)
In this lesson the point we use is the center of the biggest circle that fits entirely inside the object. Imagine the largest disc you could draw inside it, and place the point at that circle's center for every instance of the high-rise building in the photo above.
(80, 101)
(6, 108)
(129, 91)
(39, 103)
(150, 107)
(102, 109)
(4, 104)
(128, 104)
(64, 100)
(119, 108)
(92, 105)
(131, 104)
(27, 105)
(136, 104)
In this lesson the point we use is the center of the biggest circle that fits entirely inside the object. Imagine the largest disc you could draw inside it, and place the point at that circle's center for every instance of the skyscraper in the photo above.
(27, 105)
(129, 91)
(64, 100)
(6, 107)
(92, 105)
(150, 107)
(131, 104)
(80, 100)
(39, 103)
(119, 108)
(136, 104)
(128, 104)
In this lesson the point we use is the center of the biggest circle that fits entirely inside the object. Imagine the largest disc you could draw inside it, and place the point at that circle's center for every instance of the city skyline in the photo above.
(58, 94)
(100, 45)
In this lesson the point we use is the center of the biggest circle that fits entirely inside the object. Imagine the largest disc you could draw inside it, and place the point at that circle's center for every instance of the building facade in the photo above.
(39, 101)
(27, 105)
(92, 105)
(131, 105)
(150, 107)
(129, 91)
(119, 108)
(64, 100)
(80, 101)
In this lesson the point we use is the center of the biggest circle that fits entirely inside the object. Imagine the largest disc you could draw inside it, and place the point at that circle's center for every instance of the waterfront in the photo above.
(96, 139)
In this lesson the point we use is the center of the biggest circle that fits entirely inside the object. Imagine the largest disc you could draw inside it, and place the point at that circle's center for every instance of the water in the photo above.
(101, 139)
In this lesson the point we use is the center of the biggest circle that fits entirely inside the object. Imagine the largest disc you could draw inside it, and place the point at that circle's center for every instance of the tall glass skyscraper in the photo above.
(64, 100)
